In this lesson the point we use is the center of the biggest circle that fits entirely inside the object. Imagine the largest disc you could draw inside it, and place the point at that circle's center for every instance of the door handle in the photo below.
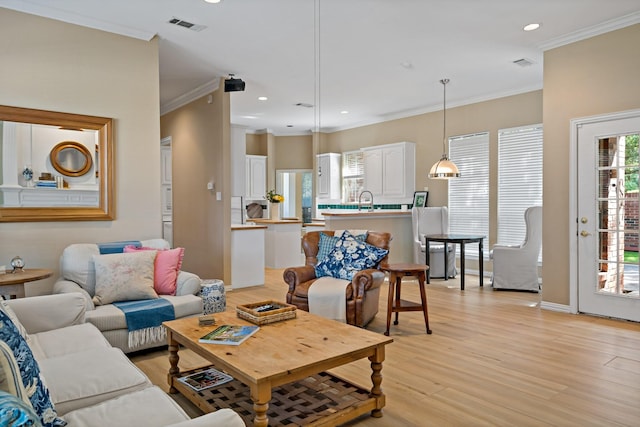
(585, 233)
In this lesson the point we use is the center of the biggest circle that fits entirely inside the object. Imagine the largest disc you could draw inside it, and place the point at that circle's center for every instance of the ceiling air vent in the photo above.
(191, 26)
(304, 104)
(523, 62)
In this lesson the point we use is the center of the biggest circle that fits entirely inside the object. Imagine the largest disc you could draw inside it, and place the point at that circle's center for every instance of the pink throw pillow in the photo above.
(166, 268)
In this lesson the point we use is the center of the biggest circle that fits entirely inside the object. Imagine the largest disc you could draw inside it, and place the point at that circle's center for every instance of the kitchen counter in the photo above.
(282, 246)
(274, 221)
(368, 214)
(247, 227)
(247, 255)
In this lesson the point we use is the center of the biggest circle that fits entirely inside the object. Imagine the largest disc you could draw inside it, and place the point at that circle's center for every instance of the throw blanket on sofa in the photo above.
(144, 319)
(327, 298)
(117, 247)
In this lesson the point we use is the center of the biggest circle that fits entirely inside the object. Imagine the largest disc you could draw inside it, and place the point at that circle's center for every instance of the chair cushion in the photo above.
(27, 382)
(166, 268)
(327, 243)
(349, 256)
(124, 277)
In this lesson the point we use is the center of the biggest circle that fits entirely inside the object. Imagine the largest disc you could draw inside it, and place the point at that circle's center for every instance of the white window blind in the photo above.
(352, 175)
(519, 180)
(469, 194)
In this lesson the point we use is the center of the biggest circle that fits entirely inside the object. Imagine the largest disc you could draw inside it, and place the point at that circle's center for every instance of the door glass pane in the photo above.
(618, 215)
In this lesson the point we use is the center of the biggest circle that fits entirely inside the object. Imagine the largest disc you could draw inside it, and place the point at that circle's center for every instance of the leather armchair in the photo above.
(362, 293)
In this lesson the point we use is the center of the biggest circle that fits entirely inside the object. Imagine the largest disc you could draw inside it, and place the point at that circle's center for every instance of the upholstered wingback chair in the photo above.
(362, 293)
(516, 267)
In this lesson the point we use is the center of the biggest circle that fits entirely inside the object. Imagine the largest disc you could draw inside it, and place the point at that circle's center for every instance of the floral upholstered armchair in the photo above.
(361, 290)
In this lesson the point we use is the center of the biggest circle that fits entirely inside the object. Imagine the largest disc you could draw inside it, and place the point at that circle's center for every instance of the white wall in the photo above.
(51, 65)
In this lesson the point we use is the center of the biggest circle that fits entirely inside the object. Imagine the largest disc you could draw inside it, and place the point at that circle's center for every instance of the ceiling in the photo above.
(376, 59)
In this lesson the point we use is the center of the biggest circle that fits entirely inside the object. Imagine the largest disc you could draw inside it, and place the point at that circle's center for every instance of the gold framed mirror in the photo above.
(71, 158)
(33, 160)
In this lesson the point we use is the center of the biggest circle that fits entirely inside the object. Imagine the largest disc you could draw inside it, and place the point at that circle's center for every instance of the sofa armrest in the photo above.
(293, 276)
(366, 280)
(187, 283)
(67, 286)
(222, 417)
(49, 312)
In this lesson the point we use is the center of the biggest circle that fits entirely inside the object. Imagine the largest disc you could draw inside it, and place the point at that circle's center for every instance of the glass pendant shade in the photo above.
(444, 168)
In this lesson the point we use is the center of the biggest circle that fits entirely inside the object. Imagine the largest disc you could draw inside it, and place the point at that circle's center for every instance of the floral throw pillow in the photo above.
(32, 383)
(327, 243)
(349, 256)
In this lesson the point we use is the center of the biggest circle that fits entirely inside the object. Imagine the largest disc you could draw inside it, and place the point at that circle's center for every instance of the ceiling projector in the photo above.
(233, 85)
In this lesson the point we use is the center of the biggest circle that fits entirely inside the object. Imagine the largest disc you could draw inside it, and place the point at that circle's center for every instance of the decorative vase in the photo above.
(274, 211)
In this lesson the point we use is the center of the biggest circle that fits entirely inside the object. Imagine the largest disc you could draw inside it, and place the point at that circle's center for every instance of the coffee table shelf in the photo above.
(318, 400)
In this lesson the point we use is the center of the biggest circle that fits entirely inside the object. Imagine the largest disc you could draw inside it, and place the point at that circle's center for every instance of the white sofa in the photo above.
(78, 275)
(91, 383)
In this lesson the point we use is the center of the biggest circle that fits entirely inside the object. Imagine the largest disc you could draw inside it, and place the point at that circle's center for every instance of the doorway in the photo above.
(296, 186)
(606, 185)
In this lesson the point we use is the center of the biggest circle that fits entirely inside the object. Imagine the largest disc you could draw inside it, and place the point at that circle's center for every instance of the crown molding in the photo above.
(596, 30)
(192, 95)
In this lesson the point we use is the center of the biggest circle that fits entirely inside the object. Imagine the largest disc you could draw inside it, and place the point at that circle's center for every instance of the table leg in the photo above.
(427, 259)
(462, 266)
(376, 378)
(423, 298)
(398, 303)
(174, 372)
(392, 281)
(481, 263)
(261, 395)
(446, 261)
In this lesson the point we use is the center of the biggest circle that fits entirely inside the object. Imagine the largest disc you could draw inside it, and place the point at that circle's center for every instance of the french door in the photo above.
(608, 216)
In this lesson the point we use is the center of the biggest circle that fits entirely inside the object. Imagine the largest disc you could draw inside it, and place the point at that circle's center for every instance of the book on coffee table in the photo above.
(229, 334)
(205, 379)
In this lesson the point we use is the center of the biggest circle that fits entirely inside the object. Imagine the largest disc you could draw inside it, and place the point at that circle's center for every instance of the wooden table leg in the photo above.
(398, 303)
(376, 378)
(423, 298)
(392, 281)
(261, 395)
(174, 372)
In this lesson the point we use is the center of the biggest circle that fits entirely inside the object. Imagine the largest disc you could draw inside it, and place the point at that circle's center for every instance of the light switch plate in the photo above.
(218, 196)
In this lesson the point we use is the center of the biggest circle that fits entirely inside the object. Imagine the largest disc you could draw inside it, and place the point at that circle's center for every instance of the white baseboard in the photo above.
(552, 306)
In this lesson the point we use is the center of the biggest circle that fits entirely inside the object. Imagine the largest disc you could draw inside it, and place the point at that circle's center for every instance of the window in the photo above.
(352, 175)
(469, 194)
(519, 180)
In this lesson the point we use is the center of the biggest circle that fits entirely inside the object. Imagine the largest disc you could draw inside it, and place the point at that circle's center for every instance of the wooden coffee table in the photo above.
(280, 358)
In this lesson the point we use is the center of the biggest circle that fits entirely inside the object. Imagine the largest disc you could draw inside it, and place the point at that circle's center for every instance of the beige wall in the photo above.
(200, 153)
(426, 131)
(591, 77)
(51, 65)
(294, 152)
(257, 144)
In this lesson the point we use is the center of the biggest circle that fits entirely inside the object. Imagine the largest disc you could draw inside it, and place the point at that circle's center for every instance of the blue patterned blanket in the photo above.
(117, 247)
(144, 319)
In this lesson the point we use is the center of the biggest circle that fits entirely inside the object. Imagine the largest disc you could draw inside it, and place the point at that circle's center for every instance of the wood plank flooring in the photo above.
(494, 359)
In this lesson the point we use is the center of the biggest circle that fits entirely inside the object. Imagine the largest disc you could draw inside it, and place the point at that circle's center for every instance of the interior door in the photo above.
(607, 232)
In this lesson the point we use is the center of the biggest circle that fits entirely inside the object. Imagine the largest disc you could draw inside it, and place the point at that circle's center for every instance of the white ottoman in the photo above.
(214, 299)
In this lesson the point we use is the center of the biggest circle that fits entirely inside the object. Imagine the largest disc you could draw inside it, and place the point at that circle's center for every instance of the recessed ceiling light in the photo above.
(212, 1)
(262, 98)
(531, 27)
(344, 112)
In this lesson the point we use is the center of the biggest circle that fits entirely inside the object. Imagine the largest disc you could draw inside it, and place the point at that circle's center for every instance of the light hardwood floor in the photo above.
(494, 359)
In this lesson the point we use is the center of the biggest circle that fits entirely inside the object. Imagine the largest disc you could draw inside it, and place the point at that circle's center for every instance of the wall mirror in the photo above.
(55, 166)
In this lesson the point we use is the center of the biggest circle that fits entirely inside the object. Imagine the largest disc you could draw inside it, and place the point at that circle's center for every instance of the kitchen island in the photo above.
(396, 222)
(282, 242)
(247, 255)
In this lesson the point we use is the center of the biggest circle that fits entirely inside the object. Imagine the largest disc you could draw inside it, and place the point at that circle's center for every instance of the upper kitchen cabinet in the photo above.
(256, 177)
(328, 182)
(389, 171)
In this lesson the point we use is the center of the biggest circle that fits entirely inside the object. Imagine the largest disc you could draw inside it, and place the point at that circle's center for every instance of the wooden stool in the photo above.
(396, 273)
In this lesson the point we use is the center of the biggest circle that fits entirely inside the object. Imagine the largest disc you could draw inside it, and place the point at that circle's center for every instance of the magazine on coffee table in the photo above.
(205, 379)
(229, 334)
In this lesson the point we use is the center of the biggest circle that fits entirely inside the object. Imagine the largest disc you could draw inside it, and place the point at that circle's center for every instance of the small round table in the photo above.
(13, 283)
(396, 273)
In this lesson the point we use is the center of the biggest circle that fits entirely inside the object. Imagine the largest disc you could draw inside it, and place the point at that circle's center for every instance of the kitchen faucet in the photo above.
(370, 203)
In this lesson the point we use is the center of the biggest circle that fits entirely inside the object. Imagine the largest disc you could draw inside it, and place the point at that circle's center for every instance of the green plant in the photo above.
(274, 197)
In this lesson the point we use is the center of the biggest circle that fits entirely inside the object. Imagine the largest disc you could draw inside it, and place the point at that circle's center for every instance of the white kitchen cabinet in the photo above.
(165, 165)
(328, 178)
(256, 177)
(389, 171)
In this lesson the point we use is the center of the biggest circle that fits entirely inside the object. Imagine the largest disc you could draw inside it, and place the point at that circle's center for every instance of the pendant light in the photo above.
(444, 168)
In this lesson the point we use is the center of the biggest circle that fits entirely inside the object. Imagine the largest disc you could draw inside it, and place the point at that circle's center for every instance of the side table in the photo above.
(13, 283)
(396, 305)
(462, 240)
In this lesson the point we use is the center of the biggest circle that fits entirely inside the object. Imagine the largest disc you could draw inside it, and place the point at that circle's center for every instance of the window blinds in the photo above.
(469, 194)
(519, 180)
(352, 175)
